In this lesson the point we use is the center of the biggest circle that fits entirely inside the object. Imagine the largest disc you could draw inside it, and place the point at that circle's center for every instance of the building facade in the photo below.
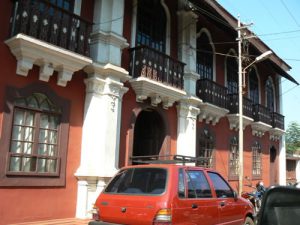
(87, 85)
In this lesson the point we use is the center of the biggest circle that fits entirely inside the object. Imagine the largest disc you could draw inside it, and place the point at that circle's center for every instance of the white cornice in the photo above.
(30, 51)
(234, 121)
(156, 91)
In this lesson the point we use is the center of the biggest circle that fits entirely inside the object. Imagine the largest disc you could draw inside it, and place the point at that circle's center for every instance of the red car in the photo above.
(169, 194)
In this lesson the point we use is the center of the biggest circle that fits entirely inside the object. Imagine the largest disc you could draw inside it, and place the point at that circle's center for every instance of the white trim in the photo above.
(168, 25)
(206, 31)
(231, 52)
(259, 84)
(274, 94)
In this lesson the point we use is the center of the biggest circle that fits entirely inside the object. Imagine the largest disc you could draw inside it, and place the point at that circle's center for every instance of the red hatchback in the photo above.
(169, 194)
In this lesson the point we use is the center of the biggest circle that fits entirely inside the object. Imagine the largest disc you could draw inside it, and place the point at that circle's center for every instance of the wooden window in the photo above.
(35, 132)
(234, 158)
(204, 65)
(270, 95)
(232, 74)
(151, 25)
(205, 151)
(256, 160)
(34, 139)
(253, 86)
(64, 4)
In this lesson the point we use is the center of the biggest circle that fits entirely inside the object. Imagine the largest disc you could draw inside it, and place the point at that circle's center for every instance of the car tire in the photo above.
(249, 221)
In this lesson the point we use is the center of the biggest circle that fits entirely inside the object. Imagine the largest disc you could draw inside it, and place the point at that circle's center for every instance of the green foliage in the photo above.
(292, 137)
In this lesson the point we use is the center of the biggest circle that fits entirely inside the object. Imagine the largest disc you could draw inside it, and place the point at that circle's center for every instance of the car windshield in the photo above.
(139, 181)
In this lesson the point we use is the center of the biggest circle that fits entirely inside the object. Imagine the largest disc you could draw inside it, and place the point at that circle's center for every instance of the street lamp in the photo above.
(240, 92)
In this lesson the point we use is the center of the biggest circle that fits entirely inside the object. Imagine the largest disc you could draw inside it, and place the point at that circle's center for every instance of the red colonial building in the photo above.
(88, 84)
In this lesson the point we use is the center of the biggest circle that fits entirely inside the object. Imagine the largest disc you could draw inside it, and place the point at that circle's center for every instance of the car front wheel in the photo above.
(249, 221)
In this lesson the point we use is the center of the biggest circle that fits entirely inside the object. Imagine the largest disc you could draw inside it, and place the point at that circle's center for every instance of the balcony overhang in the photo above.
(234, 121)
(275, 134)
(158, 92)
(259, 128)
(211, 113)
(30, 51)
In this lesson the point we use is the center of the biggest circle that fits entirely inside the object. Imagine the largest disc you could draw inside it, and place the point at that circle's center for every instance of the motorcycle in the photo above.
(255, 196)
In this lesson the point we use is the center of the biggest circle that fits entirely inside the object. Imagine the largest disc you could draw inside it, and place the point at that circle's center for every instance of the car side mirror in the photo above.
(280, 205)
(235, 195)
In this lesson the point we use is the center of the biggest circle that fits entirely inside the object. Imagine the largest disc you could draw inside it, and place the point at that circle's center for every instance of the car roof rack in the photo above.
(167, 159)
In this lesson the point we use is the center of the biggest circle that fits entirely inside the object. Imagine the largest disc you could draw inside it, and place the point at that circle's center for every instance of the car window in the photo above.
(223, 190)
(198, 186)
(181, 186)
(139, 181)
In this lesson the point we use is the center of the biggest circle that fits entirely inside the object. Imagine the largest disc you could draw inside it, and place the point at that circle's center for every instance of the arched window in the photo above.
(34, 138)
(206, 149)
(232, 74)
(270, 95)
(204, 57)
(253, 86)
(234, 158)
(151, 25)
(256, 159)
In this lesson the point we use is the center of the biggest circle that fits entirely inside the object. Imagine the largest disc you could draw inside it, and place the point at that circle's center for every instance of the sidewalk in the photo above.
(67, 221)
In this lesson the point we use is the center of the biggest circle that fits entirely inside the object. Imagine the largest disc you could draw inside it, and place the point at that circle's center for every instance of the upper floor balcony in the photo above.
(216, 101)
(156, 76)
(45, 35)
(233, 106)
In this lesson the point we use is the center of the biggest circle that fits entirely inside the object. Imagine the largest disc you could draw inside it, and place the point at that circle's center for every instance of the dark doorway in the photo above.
(149, 134)
(273, 168)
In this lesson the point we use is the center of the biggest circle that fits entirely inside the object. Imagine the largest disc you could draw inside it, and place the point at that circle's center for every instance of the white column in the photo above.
(298, 170)
(187, 48)
(106, 38)
(186, 127)
(282, 148)
(100, 136)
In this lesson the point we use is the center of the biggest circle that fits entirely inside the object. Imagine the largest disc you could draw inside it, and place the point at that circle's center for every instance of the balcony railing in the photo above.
(233, 105)
(261, 114)
(211, 92)
(47, 22)
(277, 120)
(150, 63)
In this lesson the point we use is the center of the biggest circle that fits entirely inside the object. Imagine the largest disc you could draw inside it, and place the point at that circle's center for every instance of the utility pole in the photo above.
(241, 74)
(240, 92)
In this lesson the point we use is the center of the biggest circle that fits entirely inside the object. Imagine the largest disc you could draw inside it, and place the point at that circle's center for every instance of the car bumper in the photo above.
(101, 223)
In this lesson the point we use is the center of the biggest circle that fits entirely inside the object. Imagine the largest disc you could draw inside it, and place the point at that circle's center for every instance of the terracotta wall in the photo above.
(22, 204)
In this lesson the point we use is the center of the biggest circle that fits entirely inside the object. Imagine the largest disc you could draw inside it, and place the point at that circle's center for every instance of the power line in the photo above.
(289, 12)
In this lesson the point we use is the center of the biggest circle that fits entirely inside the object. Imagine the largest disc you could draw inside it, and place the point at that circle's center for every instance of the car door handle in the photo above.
(222, 204)
(194, 206)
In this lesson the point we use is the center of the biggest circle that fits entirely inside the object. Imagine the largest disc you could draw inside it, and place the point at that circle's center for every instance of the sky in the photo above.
(277, 24)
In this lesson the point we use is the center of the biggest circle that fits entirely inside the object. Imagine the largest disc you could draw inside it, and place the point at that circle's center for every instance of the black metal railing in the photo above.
(150, 63)
(233, 105)
(211, 92)
(277, 120)
(47, 22)
(261, 114)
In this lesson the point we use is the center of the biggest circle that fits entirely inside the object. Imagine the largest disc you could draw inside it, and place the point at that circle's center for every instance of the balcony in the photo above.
(277, 129)
(214, 100)
(45, 35)
(233, 116)
(262, 120)
(156, 76)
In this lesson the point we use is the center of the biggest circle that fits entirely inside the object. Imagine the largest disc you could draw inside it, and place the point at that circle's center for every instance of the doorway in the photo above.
(149, 133)
(273, 168)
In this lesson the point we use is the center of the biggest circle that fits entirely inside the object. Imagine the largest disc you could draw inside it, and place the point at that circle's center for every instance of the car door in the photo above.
(195, 204)
(228, 205)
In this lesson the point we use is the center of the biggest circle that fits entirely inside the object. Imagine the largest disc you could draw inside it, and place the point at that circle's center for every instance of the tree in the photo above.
(292, 137)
